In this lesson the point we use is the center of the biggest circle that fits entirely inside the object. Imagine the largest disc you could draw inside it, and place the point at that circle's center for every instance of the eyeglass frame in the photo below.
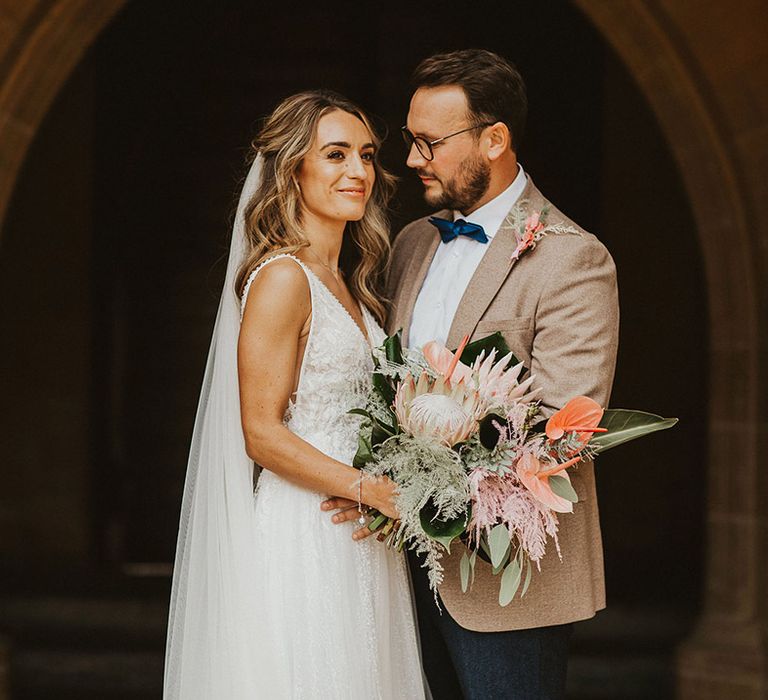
(410, 139)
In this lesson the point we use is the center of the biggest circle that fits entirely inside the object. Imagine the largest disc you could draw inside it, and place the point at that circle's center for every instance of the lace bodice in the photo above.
(335, 372)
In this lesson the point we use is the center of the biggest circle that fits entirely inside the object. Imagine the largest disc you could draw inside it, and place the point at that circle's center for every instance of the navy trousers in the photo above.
(464, 665)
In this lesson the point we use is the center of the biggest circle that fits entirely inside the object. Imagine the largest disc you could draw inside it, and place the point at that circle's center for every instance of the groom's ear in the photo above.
(498, 140)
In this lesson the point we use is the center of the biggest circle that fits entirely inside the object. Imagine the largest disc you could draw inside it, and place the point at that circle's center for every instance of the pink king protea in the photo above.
(499, 386)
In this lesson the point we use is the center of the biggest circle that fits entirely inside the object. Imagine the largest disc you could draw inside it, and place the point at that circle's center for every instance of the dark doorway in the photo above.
(140, 160)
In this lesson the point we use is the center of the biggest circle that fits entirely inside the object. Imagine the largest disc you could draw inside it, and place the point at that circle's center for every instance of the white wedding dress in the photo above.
(335, 617)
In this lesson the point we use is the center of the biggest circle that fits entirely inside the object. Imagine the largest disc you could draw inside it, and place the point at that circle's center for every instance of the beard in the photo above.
(465, 188)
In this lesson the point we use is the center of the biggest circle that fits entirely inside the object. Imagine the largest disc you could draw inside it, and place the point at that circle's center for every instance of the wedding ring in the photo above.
(361, 519)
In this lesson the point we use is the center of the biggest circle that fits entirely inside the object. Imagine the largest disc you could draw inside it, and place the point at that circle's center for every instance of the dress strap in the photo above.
(258, 269)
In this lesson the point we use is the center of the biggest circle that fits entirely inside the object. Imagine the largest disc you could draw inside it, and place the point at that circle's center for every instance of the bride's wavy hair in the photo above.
(273, 217)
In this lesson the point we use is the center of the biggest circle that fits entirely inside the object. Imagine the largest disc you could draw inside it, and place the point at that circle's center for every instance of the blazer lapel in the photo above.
(421, 258)
(492, 271)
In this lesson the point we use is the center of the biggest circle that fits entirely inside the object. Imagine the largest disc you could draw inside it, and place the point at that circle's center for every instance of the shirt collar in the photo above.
(491, 215)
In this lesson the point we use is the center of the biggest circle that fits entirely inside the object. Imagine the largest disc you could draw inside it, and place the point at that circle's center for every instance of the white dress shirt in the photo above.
(453, 266)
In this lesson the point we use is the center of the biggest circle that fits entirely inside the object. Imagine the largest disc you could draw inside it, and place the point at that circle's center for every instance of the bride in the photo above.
(269, 598)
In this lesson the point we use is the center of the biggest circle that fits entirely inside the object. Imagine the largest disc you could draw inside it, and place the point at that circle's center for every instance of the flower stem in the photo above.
(379, 519)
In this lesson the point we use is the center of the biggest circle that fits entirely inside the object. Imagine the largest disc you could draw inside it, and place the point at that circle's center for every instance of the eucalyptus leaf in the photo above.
(625, 425)
(484, 550)
(563, 488)
(497, 569)
(464, 568)
(472, 562)
(527, 579)
(510, 582)
(360, 412)
(499, 542)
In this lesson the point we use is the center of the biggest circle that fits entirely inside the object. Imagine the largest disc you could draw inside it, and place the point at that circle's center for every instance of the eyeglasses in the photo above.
(424, 147)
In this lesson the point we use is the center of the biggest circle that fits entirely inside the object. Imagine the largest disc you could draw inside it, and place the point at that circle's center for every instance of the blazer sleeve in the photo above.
(576, 331)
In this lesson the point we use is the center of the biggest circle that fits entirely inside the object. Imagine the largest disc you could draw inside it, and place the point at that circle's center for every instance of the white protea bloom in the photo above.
(437, 408)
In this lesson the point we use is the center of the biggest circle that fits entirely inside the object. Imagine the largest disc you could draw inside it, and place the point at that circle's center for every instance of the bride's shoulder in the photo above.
(280, 283)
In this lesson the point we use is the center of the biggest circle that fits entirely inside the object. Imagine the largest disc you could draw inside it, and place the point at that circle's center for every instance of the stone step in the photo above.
(81, 675)
(112, 649)
(114, 675)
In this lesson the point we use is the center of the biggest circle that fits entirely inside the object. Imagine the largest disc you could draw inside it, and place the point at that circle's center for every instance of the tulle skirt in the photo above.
(335, 616)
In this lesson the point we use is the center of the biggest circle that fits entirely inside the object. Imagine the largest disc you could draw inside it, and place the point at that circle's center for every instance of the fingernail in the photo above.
(336, 518)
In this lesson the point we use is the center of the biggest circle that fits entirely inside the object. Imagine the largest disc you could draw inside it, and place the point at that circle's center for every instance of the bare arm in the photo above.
(276, 315)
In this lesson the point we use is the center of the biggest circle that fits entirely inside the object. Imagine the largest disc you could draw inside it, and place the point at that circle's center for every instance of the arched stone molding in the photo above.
(720, 140)
(41, 41)
(725, 656)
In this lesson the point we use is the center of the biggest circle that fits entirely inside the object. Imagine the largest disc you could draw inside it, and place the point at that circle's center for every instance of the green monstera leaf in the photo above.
(442, 531)
(624, 425)
(494, 341)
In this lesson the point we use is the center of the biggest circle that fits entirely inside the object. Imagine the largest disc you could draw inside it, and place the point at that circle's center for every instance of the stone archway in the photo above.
(660, 45)
(717, 142)
(41, 41)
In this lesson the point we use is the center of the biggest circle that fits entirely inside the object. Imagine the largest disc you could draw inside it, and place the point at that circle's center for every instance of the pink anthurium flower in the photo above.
(580, 415)
(529, 471)
(446, 363)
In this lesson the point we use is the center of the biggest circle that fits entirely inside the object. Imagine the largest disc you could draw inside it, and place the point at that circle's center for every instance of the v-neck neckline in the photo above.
(364, 332)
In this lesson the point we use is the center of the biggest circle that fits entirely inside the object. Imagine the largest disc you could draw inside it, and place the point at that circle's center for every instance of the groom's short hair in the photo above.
(494, 88)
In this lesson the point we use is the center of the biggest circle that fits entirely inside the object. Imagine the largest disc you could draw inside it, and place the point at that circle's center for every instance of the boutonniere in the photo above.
(531, 229)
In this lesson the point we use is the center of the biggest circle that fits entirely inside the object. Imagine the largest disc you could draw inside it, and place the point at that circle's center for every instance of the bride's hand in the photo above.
(378, 492)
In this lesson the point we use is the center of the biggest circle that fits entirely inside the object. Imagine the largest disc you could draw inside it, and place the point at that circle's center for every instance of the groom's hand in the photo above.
(347, 510)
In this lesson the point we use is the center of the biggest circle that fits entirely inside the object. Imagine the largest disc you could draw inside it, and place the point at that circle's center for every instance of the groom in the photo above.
(556, 306)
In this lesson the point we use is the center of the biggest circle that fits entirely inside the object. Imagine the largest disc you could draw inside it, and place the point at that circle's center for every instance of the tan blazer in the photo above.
(557, 308)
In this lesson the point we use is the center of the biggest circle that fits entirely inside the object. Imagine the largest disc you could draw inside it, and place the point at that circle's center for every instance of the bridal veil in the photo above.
(212, 625)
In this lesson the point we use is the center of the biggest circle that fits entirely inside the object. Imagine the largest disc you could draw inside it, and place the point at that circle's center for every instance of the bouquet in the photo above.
(476, 457)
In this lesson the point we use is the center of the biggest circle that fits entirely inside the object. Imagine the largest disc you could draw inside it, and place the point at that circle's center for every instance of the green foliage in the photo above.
(562, 487)
(527, 578)
(393, 347)
(442, 531)
(494, 341)
(625, 425)
(383, 386)
(499, 543)
(364, 452)
(510, 582)
(464, 571)
(433, 492)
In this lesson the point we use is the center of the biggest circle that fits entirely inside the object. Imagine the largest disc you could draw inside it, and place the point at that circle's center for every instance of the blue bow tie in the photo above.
(452, 229)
